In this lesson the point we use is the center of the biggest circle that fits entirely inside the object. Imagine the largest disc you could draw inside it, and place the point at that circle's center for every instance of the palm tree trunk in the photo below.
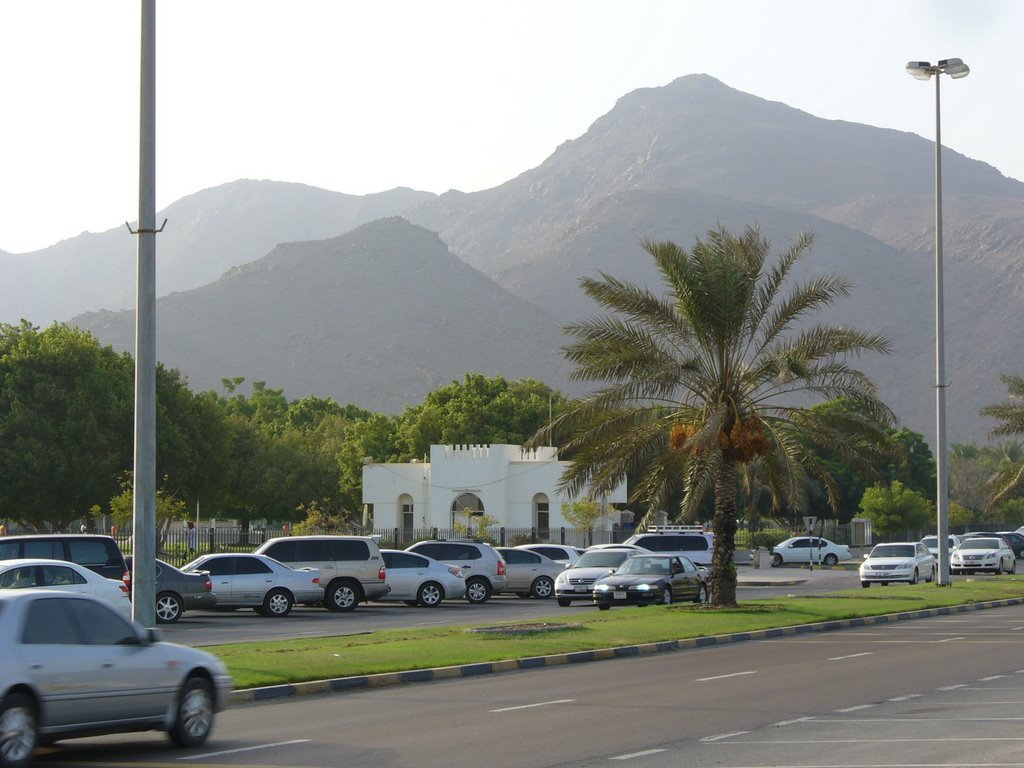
(723, 565)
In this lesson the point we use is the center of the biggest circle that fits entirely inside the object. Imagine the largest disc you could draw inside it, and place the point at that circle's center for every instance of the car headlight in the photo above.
(643, 587)
(908, 564)
(602, 587)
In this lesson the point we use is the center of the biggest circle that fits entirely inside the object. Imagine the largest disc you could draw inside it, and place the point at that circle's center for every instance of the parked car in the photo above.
(351, 568)
(479, 562)
(647, 579)
(931, 543)
(66, 577)
(806, 549)
(177, 592)
(258, 582)
(97, 553)
(693, 540)
(907, 561)
(122, 676)
(1013, 539)
(636, 549)
(563, 553)
(979, 553)
(420, 580)
(577, 581)
(529, 574)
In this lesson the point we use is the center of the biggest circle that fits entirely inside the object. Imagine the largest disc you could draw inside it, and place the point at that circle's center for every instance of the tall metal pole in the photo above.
(144, 522)
(941, 481)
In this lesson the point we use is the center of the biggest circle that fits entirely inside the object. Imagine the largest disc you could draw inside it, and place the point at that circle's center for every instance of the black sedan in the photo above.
(177, 592)
(646, 579)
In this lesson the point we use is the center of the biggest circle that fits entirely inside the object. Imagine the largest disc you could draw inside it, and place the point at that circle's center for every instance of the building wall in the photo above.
(505, 478)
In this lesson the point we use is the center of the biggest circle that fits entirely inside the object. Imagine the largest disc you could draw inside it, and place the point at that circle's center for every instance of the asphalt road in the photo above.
(200, 628)
(942, 691)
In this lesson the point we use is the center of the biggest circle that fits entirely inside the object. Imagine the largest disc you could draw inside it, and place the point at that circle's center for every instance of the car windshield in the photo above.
(893, 550)
(602, 558)
(930, 541)
(640, 564)
(980, 544)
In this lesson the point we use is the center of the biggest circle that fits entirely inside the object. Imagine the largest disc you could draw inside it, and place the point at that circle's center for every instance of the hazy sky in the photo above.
(362, 96)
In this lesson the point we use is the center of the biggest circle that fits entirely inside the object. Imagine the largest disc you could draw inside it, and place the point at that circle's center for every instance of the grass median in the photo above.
(292, 661)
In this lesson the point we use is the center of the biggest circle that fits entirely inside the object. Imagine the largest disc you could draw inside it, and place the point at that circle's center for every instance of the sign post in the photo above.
(809, 523)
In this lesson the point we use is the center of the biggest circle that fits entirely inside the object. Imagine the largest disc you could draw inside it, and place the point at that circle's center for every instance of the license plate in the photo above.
(620, 595)
(582, 588)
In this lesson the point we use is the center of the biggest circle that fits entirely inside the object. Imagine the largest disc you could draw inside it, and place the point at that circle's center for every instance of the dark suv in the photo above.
(97, 553)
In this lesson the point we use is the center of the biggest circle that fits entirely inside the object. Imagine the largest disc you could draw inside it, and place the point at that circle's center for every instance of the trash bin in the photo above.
(761, 557)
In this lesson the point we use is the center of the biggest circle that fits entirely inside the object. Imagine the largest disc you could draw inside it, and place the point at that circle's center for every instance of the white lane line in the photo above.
(645, 753)
(908, 697)
(791, 722)
(244, 749)
(854, 709)
(719, 737)
(531, 706)
(990, 677)
(952, 687)
(722, 677)
(950, 639)
(852, 656)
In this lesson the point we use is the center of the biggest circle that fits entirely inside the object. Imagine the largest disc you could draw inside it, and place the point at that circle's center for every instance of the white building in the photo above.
(515, 486)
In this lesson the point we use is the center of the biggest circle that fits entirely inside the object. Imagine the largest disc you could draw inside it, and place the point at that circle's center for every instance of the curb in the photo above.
(361, 682)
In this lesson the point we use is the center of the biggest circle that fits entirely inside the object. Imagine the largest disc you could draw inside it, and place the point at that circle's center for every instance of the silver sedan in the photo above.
(529, 574)
(259, 582)
(71, 666)
(420, 580)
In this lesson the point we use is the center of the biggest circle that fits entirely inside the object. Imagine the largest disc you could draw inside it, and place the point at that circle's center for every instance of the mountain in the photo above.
(207, 233)
(665, 163)
(379, 316)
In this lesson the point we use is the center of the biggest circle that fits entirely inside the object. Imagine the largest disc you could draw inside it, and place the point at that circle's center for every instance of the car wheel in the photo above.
(278, 603)
(702, 594)
(430, 594)
(1013, 566)
(915, 577)
(776, 560)
(564, 602)
(603, 607)
(865, 584)
(18, 731)
(478, 591)
(168, 608)
(342, 596)
(999, 567)
(543, 587)
(193, 720)
(666, 596)
(831, 559)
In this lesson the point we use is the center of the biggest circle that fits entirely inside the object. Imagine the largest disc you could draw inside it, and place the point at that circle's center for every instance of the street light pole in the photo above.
(923, 70)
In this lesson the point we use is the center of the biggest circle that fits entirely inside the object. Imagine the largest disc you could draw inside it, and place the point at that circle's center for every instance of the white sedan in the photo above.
(932, 543)
(983, 554)
(907, 561)
(64, 576)
(806, 549)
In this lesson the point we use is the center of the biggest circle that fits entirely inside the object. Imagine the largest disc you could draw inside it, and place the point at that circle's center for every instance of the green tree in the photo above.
(1010, 415)
(709, 375)
(65, 423)
(894, 508)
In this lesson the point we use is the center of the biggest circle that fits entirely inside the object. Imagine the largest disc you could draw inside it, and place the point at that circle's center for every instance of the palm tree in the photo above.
(1010, 477)
(704, 378)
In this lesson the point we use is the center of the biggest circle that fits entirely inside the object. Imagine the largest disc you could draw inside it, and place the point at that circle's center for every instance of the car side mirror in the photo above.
(867, 555)
(152, 635)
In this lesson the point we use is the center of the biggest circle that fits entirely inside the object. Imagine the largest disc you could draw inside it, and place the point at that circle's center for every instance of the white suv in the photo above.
(691, 540)
(481, 564)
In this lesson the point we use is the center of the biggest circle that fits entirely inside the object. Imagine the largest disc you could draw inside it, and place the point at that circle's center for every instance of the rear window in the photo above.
(90, 552)
(347, 549)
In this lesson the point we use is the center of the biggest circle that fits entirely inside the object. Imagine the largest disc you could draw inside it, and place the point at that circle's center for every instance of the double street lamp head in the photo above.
(923, 70)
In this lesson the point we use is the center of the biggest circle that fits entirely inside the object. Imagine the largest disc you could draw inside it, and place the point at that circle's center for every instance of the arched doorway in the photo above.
(542, 516)
(465, 507)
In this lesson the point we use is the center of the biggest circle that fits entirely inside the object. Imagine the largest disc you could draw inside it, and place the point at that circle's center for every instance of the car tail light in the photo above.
(127, 592)
(454, 571)
(382, 573)
(208, 585)
(126, 577)
(316, 579)
(501, 567)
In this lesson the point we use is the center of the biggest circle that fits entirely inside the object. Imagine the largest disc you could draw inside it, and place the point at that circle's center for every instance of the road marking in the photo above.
(952, 687)
(245, 749)
(854, 709)
(950, 639)
(638, 754)
(852, 656)
(719, 737)
(791, 722)
(990, 677)
(722, 677)
(908, 697)
(531, 706)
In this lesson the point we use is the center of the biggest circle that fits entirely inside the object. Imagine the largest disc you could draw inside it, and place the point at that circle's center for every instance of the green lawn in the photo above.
(292, 661)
